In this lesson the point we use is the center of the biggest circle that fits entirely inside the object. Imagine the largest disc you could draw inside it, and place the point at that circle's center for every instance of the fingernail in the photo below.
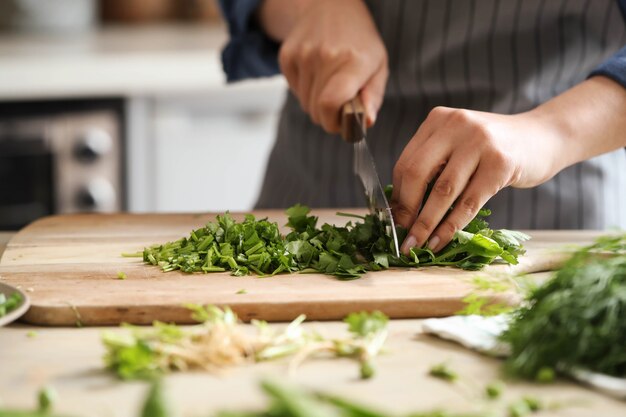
(371, 119)
(409, 242)
(372, 115)
(432, 243)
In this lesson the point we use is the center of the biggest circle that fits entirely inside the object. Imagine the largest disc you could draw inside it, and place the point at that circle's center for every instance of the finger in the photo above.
(343, 86)
(373, 92)
(447, 188)
(317, 81)
(433, 122)
(288, 66)
(415, 176)
(479, 190)
(306, 73)
(329, 65)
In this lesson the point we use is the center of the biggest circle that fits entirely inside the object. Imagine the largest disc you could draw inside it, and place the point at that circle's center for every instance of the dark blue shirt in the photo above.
(250, 53)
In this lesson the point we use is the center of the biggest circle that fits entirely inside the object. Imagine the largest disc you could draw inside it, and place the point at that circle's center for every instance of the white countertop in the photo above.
(113, 61)
(70, 360)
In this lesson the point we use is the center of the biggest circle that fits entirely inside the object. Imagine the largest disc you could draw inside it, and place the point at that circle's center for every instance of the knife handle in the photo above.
(350, 130)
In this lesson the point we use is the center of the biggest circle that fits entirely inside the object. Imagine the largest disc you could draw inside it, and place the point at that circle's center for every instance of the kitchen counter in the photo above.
(70, 360)
(120, 61)
(177, 107)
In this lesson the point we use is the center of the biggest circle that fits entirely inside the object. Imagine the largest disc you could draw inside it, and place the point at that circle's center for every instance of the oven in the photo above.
(60, 158)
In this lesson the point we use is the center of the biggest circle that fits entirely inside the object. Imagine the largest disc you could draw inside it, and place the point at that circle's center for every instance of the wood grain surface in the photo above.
(69, 266)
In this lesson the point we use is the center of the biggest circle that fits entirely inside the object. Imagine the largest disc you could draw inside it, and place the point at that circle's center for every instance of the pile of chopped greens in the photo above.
(10, 303)
(577, 319)
(343, 251)
(219, 341)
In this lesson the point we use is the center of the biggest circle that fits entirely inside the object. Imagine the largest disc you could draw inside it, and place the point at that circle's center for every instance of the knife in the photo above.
(353, 130)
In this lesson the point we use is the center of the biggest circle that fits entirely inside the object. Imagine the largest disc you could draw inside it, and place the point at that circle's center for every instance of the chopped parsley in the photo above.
(256, 246)
(10, 303)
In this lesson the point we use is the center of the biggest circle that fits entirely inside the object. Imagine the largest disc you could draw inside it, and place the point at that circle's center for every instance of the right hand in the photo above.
(332, 53)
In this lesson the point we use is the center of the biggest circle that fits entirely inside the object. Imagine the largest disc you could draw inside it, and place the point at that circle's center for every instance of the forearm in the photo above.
(590, 119)
(277, 17)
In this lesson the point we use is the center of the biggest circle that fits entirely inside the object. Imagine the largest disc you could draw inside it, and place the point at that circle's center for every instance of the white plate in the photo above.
(13, 315)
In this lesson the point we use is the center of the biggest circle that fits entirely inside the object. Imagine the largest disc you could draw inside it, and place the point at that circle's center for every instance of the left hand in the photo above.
(471, 155)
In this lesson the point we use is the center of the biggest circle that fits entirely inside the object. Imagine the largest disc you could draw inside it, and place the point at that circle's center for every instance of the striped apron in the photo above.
(503, 56)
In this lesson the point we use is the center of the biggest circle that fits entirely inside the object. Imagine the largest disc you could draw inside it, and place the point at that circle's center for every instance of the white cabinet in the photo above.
(206, 152)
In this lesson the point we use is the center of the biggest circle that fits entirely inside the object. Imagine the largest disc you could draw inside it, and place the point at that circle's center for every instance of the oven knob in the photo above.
(92, 145)
(98, 195)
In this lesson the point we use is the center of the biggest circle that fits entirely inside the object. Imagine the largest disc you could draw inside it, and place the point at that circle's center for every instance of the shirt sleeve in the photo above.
(614, 68)
(249, 53)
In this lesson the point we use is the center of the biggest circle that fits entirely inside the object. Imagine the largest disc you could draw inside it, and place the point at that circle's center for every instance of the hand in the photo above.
(471, 156)
(332, 52)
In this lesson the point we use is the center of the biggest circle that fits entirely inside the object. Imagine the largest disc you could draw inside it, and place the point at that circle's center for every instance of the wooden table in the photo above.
(70, 361)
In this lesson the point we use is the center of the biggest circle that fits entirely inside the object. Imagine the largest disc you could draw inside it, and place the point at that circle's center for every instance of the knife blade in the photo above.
(354, 130)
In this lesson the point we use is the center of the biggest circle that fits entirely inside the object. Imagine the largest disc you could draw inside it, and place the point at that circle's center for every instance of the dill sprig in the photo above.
(577, 319)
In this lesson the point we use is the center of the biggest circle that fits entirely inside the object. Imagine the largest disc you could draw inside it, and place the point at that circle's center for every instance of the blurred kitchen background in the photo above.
(115, 105)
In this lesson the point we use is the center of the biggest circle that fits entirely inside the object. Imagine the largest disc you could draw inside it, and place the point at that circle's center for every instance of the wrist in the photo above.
(586, 120)
(545, 147)
(563, 134)
(277, 18)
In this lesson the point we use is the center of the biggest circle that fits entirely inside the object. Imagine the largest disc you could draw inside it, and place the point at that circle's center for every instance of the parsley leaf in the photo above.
(10, 303)
(442, 371)
(364, 324)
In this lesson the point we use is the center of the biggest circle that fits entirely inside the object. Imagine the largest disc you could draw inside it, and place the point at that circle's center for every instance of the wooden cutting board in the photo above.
(68, 266)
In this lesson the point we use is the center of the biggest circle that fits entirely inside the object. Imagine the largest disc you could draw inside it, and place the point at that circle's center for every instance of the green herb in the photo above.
(524, 407)
(46, 399)
(492, 283)
(477, 304)
(575, 320)
(121, 275)
(442, 371)
(480, 301)
(369, 330)
(494, 390)
(156, 404)
(287, 401)
(31, 334)
(24, 413)
(256, 246)
(10, 303)
(219, 341)
(609, 244)
(242, 291)
(364, 324)
(79, 318)
(545, 375)
(367, 370)
(292, 401)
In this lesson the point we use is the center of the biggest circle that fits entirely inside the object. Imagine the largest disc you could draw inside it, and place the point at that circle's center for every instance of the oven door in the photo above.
(26, 181)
